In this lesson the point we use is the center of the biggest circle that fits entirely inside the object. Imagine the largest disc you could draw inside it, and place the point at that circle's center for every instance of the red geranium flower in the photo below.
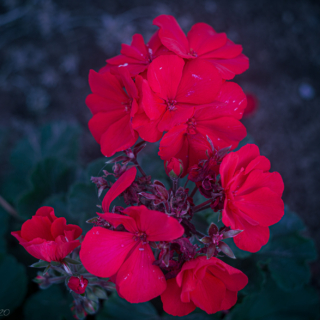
(209, 284)
(220, 122)
(203, 42)
(172, 91)
(78, 285)
(127, 256)
(47, 237)
(112, 108)
(137, 57)
(252, 196)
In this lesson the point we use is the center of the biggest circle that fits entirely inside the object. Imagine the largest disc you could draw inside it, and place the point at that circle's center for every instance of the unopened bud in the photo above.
(78, 284)
(174, 168)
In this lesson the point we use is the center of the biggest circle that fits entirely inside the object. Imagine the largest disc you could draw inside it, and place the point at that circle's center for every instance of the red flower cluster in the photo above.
(47, 237)
(173, 89)
(173, 85)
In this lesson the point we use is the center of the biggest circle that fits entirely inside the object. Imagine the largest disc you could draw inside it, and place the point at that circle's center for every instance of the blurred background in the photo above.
(47, 48)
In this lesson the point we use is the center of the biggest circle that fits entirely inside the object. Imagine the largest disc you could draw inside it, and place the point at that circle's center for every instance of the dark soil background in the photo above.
(47, 48)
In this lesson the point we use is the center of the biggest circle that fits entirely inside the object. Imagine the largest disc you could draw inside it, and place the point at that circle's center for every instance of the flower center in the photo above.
(139, 235)
(127, 105)
(171, 105)
(192, 126)
(192, 53)
(217, 238)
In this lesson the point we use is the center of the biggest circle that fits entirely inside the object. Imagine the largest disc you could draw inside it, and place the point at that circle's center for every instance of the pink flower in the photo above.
(78, 285)
(137, 57)
(203, 43)
(252, 196)
(209, 284)
(47, 237)
(127, 256)
(220, 122)
(112, 108)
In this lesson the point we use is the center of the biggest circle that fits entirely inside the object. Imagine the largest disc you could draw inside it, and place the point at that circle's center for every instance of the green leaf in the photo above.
(116, 308)
(48, 304)
(13, 286)
(50, 176)
(287, 257)
(82, 203)
(53, 140)
(289, 223)
(40, 264)
(274, 304)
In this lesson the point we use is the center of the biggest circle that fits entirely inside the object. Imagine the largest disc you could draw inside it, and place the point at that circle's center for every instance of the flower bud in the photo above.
(78, 285)
(174, 168)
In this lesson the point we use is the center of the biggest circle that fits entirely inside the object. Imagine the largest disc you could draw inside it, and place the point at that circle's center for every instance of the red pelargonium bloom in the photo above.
(137, 57)
(220, 122)
(47, 237)
(202, 42)
(252, 196)
(172, 91)
(209, 284)
(78, 285)
(112, 108)
(127, 256)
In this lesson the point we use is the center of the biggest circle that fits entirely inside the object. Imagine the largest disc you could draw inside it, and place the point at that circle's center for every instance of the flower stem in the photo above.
(201, 206)
(138, 166)
(6, 206)
(194, 191)
(175, 185)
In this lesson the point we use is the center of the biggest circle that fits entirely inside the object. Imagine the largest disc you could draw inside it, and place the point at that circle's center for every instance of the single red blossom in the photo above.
(252, 196)
(209, 284)
(127, 256)
(78, 284)
(202, 42)
(174, 88)
(173, 168)
(137, 57)
(112, 108)
(47, 237)
(219, 122)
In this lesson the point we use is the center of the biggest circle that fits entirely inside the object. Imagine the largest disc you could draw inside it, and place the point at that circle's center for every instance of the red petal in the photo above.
(100, 122)
(118, 137)
(172, 142)
(202, 39)
(137, 49)
(228, 51)
(200, 83)
(37, 227)
(164, 75)
(209, 294)
(103, 251)
(118, 187)
(107, 85)
(172, 36)
(175, 117)
(117, 219)
(223, 132)
(230, 67)
(138, 279)
(153, 106)
(157, 225)
(233, 99)
(262, 205)
(252, 238)
(171, 300)
(228, 167)
(234, 279)
(46, 212)
(229, 300)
